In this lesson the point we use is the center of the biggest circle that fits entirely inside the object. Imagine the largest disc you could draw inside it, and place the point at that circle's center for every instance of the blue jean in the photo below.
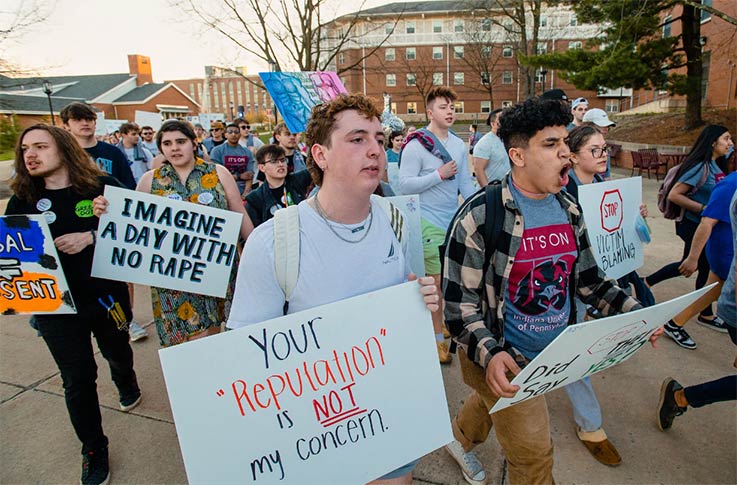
(586, 409)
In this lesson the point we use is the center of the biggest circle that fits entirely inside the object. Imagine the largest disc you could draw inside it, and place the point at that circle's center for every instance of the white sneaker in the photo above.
(136, 331)
(473, 470)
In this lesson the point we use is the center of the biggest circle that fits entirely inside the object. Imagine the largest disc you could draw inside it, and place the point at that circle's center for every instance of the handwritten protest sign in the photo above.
(590, 347)
(410, 207)
(342, 393)
(610, 210)
(31, 278)
(295, 93)
(145, 118)
(159, 241)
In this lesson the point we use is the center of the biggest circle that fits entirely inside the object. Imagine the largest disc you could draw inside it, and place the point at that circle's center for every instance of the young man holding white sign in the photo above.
(347, 243)
(504, 316)
(54, 177)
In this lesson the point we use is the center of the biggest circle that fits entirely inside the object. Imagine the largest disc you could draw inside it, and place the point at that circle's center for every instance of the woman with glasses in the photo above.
(180, 316)
(280, 188)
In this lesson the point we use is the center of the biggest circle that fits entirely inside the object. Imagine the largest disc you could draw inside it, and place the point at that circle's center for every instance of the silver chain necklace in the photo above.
(324, 217)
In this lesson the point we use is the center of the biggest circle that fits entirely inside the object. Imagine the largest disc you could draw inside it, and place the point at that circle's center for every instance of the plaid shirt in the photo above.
(476, 323)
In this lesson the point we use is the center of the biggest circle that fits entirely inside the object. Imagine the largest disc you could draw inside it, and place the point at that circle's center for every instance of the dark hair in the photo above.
(279, 128)
(322, 123)
(440, 92)
(392, 136)
(493, 116)
(77, 111)
(184, 127)
(233, 125)
(126, 128)
(578, 137)
(83, 172)
(274, 150)
(474, 126)
(147, 128)
(523, 120)
(702, 149)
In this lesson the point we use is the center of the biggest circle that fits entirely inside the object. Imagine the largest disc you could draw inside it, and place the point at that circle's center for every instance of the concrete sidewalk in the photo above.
(39, 445)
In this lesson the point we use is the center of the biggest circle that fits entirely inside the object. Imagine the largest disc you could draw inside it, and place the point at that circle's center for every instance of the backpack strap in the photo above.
(396, 219)
(286, 250)
(494, 224)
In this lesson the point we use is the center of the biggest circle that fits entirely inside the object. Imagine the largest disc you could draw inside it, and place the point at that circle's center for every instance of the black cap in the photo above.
(554, 94)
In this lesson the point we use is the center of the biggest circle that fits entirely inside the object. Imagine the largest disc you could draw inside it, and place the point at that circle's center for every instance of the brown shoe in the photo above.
(599, 445)
(443, 353)
(446, 333)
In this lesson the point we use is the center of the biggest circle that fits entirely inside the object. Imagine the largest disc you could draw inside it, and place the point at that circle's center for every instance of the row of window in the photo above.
(410, 53)
(459, 107)
(484, 25)
(459, 78)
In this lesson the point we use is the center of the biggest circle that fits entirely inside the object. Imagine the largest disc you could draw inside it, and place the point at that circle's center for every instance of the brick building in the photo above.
(231, 93)
(117, 96)
(473, 50)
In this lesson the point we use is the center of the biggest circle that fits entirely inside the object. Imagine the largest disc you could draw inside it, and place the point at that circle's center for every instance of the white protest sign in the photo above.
(101, 124)
(159, 241)
(610, 210)
(207, 118)
(410, 207)
(111, 126)
(342, 393)
(31, 278)
(586, 348)
(145, 118)
(392, 173)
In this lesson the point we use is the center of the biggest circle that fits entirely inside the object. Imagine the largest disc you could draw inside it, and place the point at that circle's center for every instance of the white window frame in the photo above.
(390, 54)
(459, 106)
(459, 78)
(507, 51)
(437, 26)
(459, 25)
(575, 45)
(391, 80)
(411, 107)
(507, 104)
(437, 78)
(413, 51)
(410, 27)
(437, 53)
(411, 79)
(485, 107)
(507, 77)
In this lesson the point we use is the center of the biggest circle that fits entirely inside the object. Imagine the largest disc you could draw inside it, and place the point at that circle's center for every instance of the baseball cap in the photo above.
(215, 125)
(554, 94)
(598, 117)
(578, 101)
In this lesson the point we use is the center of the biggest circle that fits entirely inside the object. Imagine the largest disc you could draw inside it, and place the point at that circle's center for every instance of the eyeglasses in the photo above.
(278, 160)
(244, 127)
(232, 132)
(599, 152)
(147, 133)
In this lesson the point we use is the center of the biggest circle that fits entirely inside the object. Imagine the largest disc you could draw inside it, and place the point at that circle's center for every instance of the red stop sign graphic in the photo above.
(611, 210)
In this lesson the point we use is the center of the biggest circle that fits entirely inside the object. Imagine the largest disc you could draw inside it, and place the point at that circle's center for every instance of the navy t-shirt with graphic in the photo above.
(537, 302)
(113, 162)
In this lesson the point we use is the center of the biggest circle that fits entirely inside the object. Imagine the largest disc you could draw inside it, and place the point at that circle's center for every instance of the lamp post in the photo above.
(272, 68)
(231, 111)
(544, 73)
(47, 89)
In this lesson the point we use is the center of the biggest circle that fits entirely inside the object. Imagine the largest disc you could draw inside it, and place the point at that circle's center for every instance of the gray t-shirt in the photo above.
(537, 303)
(726, 306)
(491, 148)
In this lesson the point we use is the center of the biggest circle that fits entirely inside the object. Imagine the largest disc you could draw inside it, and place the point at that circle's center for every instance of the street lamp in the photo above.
(272, 68)
(544, 74)
(47, 89)
(231, 111)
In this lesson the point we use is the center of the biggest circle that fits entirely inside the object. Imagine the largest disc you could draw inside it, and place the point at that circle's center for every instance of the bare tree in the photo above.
(417, 69)
(16, 22)
(288, 34)
(481, 54)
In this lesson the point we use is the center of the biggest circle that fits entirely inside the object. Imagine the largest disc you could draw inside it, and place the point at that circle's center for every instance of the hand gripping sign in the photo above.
(341, 393)
(590, 347)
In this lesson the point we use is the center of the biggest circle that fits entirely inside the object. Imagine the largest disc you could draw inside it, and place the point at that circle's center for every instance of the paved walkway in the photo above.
(39, 445)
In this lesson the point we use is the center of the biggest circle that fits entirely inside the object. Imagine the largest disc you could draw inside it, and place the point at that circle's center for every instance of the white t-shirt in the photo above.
(138, 167)
(419, 175)
(329, 269)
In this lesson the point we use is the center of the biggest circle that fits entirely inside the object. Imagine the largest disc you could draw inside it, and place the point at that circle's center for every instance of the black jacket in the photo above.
(261, 204)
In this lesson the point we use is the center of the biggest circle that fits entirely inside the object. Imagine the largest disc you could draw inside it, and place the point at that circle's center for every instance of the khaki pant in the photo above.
(523, 430)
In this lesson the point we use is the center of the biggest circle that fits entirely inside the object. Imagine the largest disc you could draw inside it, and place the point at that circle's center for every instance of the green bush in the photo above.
(9, 132)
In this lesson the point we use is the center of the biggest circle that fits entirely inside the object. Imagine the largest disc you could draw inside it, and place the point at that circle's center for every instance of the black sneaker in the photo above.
(714, 323)
(129, 402)
(95, 468)
(679, 335)
(668, 409)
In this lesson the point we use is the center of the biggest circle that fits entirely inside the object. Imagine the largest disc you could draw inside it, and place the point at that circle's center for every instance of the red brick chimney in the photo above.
(141, 67)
